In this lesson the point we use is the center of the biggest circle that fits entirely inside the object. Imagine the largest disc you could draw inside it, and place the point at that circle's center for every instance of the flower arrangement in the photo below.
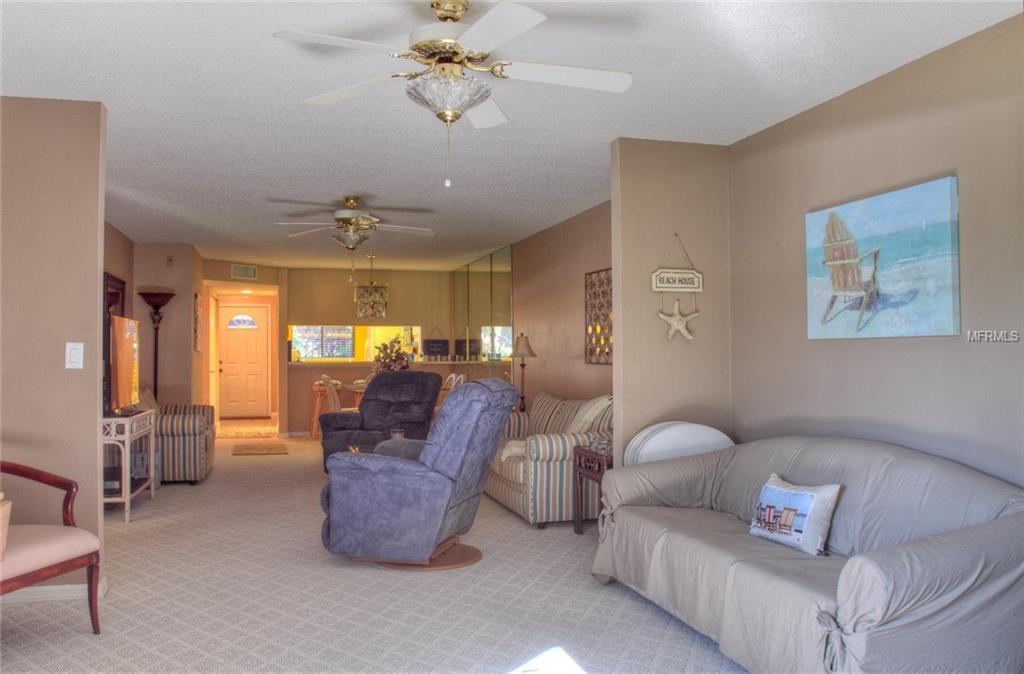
(390, 356)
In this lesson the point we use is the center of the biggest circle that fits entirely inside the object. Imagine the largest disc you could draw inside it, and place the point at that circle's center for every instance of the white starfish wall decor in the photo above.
(677, 321)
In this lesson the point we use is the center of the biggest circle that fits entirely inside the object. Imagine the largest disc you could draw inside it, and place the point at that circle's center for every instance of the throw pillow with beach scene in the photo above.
(795, 515)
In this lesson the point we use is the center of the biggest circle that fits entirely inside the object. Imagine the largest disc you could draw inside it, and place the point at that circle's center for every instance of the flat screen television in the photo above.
(123, 363)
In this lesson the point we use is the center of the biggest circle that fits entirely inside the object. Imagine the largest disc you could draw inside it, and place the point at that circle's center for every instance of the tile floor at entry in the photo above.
(235, 429)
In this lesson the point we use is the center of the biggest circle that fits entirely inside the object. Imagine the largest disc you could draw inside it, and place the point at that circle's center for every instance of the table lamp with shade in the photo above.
(522, 351)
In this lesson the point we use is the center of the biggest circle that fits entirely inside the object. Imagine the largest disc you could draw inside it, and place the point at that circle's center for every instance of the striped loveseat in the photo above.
(184, 439)
(536, 483)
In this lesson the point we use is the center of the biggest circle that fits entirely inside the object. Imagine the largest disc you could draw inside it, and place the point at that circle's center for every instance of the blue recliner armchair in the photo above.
(404, 399)
(411, 498)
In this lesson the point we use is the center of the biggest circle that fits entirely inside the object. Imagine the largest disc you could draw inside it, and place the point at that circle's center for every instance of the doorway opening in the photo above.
(242, 366)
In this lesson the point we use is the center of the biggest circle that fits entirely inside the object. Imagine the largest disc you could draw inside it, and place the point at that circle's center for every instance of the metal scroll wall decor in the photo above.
(677, 280)
(598, 310)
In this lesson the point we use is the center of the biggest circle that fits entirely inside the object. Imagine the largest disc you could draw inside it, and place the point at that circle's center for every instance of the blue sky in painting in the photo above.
(924, 204)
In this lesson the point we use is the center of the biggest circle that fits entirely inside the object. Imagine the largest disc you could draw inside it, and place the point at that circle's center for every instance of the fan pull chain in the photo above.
(448, 158)
(352, 278)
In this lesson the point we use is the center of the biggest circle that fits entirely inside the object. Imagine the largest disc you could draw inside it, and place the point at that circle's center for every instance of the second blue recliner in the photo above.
(404, 399)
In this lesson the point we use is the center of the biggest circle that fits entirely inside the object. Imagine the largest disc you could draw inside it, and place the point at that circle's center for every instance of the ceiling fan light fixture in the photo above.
(350, 240)
(448, 94)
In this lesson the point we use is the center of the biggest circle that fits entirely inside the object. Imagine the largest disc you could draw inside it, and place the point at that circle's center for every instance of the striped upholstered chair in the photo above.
(184, 439)
(532, 471)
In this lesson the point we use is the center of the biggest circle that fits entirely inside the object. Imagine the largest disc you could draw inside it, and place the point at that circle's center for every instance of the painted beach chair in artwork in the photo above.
(846, 267)
(786, 520)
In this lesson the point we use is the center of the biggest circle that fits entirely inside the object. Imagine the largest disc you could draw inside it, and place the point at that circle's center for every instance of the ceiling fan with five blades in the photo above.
(352, 224)
(450, 50)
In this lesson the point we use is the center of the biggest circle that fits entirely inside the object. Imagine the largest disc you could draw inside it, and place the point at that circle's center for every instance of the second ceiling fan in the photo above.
(449, 49)
(352, 224)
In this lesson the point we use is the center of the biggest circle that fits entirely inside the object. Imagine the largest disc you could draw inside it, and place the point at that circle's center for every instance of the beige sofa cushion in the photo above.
(878, 481)
(680, 558)
(770, 612)
(34, 546)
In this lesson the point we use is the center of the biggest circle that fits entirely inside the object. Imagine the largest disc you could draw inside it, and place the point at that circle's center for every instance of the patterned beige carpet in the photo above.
(230, 576)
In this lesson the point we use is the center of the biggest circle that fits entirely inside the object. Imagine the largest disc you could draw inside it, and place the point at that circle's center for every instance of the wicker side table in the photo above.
(587, 464)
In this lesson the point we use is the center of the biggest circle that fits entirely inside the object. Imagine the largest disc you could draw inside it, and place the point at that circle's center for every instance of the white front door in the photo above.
(244, 353)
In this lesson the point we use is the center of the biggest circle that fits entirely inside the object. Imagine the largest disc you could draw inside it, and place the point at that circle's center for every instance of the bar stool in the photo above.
(320, 391)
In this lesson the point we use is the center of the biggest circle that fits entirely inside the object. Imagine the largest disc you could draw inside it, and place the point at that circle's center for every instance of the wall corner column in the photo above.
(660, 189)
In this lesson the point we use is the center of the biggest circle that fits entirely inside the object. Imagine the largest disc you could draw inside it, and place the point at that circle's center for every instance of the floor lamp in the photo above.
(156, 302)
(522, 351)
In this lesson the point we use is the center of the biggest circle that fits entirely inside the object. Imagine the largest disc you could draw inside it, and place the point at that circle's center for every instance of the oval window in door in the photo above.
(242, 322)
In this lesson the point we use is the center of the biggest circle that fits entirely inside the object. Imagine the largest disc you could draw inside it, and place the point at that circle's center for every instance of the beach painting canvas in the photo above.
(885, 266)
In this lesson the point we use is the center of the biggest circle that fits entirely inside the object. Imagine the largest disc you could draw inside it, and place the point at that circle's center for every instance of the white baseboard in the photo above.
(69, 592)
(295, 434)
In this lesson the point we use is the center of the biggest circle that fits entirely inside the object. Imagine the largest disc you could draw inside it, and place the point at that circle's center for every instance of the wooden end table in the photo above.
(587, 464)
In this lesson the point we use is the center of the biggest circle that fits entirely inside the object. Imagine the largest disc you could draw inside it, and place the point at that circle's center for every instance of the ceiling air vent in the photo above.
(243, 272)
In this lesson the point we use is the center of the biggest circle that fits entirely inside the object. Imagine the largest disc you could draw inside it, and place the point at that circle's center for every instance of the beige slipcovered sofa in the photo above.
(925, 570)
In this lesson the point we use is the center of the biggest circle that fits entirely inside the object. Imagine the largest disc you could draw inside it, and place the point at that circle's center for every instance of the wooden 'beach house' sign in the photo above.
(677, 281)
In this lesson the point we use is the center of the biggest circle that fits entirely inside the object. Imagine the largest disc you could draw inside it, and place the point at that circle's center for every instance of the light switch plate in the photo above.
(74, 355)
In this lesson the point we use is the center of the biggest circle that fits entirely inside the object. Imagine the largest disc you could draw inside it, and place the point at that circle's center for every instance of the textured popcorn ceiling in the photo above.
(206, 120)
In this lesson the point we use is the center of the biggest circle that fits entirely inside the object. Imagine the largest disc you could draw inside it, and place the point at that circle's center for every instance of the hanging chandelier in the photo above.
(372, 298)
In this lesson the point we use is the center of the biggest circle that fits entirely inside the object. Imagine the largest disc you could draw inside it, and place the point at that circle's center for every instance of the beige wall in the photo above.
(154, 271)
(547, 303)
(659, 189)
(220, 270)
(52, 267)
(283, 405)
(324, 297)
(118, 260)
(957, 111)
(197, 361)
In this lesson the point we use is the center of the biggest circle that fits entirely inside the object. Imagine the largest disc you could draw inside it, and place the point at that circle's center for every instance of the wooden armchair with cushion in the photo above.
(38, 552)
